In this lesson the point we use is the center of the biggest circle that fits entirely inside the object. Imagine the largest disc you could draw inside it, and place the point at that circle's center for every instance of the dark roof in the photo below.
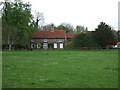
(52, 34)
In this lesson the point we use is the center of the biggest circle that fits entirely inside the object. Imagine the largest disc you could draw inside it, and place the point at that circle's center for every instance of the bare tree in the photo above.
(39, 17)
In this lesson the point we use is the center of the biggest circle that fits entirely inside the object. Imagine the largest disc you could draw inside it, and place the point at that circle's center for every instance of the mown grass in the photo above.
(60, 69)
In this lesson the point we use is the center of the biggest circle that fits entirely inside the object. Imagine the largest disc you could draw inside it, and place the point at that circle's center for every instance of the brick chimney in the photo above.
(52, 26)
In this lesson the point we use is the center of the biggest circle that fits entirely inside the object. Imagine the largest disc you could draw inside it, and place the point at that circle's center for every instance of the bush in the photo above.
(69, 44)
(84, 40)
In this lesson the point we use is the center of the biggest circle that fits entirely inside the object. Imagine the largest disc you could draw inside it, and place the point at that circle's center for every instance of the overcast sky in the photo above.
(88, 13)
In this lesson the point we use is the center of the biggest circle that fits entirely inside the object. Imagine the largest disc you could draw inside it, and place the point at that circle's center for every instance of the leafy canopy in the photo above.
(104, 35)
(18, 19)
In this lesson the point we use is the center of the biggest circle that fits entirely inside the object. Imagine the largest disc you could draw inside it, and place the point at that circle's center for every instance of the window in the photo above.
(61, 45)
(59, 40)
(45, 40)
(116, 46)
(32, 45)
(32, 40)
(38, 45)
(55, 45)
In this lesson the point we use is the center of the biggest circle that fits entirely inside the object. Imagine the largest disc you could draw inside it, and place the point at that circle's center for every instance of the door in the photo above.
(45, 45)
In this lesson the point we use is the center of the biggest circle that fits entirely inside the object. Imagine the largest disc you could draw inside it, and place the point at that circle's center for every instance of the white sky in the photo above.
(88, 13)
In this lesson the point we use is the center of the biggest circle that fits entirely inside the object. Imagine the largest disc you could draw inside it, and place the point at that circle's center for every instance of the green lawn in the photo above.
(60, 69)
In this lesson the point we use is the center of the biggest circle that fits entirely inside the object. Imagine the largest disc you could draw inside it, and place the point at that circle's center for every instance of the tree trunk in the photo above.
(10, 47)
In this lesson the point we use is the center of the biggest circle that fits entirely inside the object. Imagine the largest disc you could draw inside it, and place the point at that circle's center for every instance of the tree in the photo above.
(17, 20)
(8, 30)
(47, 27)
(38, 17)
(65, 26)
(10, 35)
(104, 35)
(118, 35)
(84, 40)
(69, 44)
(80, 29)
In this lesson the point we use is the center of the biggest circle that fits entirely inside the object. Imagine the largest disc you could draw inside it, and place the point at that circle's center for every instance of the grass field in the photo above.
(60, 69)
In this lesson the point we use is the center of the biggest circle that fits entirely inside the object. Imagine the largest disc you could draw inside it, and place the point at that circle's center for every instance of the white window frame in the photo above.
(32, 45)
(38, 45)
(45, 40)
(61, 45)
(32, 40)
(116, 46)
(59, 40)
(55, 45)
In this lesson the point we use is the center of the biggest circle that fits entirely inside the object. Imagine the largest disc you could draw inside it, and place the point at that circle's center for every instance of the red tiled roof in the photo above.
(118, 43)
(52, 34)
(70, 35)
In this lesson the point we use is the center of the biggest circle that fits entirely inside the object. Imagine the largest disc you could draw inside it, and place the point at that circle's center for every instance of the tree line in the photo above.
(103, 37)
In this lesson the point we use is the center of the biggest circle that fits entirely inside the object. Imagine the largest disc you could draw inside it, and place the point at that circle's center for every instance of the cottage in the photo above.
(50, 39)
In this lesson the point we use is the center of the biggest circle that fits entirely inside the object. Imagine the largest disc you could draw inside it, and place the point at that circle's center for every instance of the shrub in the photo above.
(84, 40)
